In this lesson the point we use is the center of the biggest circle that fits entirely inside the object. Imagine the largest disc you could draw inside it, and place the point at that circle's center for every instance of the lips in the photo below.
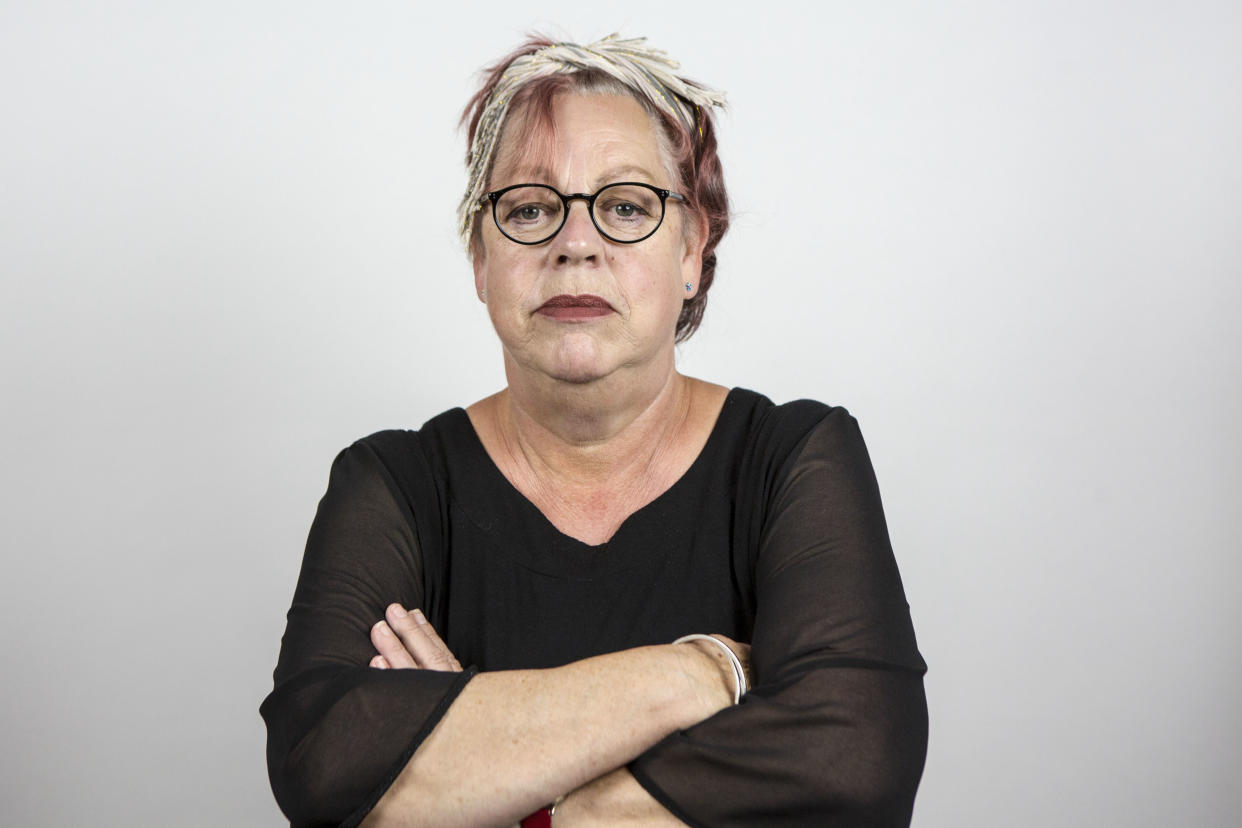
(581, 306)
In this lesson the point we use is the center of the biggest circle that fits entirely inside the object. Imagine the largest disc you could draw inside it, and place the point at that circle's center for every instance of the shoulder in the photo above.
(398, 444)
(774, 433)
(799, 443)
(405, 459)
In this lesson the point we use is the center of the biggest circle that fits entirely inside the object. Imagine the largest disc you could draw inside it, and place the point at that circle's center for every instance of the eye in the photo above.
(527, 212)
(624, 209)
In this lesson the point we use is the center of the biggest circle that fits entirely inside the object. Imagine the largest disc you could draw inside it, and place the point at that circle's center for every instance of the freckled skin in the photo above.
(599, 139)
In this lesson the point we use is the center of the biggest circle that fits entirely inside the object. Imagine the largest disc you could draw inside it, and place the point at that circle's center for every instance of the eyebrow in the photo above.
(621, 172)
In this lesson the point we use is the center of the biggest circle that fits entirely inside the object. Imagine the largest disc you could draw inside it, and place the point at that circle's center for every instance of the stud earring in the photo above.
(689, 287)
(483, 294)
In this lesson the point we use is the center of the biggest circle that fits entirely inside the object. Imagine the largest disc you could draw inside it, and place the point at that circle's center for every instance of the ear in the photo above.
(478, 260)
(695, 235)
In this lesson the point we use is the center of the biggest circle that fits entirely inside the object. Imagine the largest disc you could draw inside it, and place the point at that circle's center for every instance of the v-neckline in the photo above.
(486, 462)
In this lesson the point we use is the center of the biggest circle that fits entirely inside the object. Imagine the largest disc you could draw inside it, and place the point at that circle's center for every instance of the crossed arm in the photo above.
(833, 733)
(567, 731)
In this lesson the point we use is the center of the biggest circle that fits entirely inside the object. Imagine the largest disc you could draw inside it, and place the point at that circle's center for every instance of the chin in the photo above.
(577, 374)
(578, 365)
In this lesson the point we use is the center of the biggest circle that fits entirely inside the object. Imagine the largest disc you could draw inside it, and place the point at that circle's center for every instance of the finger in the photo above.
(391, 647)
(380, 663)
(421, 639)
(431, 633)
(428, 650)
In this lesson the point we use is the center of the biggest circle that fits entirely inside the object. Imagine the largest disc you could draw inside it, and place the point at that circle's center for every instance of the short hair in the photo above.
(681, 108)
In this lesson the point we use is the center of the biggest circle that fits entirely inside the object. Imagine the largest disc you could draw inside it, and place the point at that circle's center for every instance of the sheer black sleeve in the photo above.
(834, 732)
(339, 731)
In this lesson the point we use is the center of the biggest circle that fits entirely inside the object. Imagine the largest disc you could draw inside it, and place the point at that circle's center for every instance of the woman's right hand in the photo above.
(407, 640)
(711, 671)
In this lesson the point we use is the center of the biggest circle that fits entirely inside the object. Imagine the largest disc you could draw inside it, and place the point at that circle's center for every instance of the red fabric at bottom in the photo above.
(539, 819)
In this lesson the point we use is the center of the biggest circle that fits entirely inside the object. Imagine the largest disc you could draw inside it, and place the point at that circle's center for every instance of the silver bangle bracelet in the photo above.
(739, 675)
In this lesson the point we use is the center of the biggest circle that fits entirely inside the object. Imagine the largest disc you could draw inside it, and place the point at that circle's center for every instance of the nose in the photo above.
(578, 240)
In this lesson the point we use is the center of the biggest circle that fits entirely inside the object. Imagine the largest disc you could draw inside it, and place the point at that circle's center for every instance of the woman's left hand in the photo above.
(406, 640)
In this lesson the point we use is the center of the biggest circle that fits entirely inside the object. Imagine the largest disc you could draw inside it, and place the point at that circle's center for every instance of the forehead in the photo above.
(593, 136)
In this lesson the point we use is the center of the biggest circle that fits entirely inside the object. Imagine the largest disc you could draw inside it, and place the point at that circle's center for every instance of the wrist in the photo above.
(711, 672)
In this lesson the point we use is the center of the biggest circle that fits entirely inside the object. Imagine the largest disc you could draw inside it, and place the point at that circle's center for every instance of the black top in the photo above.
(774, 536)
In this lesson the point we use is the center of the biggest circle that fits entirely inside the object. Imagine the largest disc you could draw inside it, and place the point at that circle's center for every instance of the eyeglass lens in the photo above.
(622, 212)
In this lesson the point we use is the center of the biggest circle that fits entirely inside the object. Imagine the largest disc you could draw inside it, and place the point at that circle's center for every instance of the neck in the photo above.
(586, 433)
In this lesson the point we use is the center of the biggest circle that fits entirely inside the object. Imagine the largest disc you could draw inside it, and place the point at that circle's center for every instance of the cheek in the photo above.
(512, 282)
(662, 288)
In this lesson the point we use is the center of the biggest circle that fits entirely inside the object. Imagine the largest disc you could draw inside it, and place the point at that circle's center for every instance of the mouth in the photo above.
(582, 306)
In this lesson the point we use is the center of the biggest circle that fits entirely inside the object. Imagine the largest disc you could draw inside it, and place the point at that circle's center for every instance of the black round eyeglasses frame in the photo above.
(589, 198)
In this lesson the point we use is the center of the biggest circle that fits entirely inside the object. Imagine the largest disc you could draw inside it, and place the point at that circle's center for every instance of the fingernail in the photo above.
(397, 610)
(383, 628)
(418, 616)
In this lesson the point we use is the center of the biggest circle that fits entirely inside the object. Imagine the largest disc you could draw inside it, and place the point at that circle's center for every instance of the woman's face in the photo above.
(545, 300)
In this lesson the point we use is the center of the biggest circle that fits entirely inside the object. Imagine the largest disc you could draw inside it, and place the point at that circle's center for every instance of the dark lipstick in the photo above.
(582, 306)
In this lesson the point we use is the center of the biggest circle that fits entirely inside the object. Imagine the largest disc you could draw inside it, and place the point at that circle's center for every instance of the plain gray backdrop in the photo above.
(1006, 235)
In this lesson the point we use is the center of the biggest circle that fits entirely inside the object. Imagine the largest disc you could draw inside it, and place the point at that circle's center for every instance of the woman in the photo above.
(558, 535)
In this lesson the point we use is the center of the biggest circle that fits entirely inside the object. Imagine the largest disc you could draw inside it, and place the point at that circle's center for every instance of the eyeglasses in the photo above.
(625, 212)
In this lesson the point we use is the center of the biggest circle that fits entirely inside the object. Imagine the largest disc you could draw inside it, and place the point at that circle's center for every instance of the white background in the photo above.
(1008, 236)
